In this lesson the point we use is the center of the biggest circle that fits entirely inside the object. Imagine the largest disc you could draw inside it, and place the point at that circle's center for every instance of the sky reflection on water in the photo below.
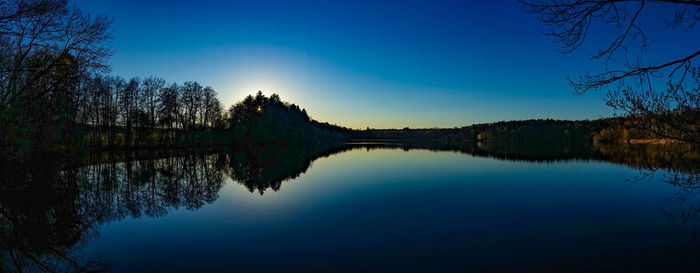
(390, 209)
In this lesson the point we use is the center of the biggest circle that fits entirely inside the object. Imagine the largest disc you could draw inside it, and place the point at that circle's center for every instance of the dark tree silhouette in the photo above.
(169, 107)
(660, 96)
(128, 102)
(152, 88)
(45, 47)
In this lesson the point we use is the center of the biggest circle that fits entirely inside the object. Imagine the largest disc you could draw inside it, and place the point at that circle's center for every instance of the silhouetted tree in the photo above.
(111, 107)
(670, 110)
(128, 103)
(192, 95)
(211, 112)
(152, 89)
(169, 109)
(44, 47)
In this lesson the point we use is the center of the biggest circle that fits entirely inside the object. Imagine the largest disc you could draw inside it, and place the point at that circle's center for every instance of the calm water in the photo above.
(359, 209)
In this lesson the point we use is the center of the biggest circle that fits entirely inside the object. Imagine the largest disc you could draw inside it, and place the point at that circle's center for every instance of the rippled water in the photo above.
(361, 209)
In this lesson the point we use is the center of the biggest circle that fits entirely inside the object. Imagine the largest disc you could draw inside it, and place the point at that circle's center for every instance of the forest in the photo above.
(57, 96)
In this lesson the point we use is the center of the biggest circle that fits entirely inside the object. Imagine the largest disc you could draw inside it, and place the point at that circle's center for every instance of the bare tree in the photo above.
(210, 104)
(169, 107)
(129, 108)
(659, 96)
(192, 96)
(45, 47)
(152, 87)
(111, 107)
(48, 28)
(103, 105)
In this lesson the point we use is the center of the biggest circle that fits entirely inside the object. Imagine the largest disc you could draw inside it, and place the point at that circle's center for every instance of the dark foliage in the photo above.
(46, 49)
(503, 131)
(260, 120)
(54, 97)
(660, 96)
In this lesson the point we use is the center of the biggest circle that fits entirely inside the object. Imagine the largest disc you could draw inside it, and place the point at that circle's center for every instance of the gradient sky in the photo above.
(363, 63)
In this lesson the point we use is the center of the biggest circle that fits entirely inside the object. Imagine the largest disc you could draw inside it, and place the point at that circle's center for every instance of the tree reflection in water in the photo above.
(47, 211)
(674, 164)
(43, 219)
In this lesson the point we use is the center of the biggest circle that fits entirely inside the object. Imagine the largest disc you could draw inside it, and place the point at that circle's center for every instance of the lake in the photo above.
(359, 207)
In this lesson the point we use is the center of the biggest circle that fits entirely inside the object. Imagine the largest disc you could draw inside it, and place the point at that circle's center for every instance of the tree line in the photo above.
(659, 93)
(116, 112)
(531, 131)
(56, 95)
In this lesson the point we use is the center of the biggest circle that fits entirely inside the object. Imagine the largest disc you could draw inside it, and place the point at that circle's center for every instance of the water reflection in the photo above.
(268, 167)
(44, 216)
(47, 212)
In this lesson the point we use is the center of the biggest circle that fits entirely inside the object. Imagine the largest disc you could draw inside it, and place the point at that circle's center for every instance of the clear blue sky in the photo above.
(360, 63)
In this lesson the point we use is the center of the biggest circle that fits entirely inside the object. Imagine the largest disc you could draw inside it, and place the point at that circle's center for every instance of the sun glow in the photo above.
(251, 83)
